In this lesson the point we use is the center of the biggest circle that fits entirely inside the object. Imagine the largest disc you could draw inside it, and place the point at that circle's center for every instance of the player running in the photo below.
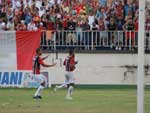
(37, 62)
(69, 64)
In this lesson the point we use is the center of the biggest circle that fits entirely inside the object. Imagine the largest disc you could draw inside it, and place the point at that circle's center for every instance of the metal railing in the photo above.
(92, 40)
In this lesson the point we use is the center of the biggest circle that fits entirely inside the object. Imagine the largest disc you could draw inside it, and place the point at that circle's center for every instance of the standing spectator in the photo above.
(147, 28)
(50, 25)
(112, 32)
(9, 13)
(136, 5)
(3, 12)
(42, 11)
(28, 16)
(91, 19)
(136, 27)
(103, 34)
(128, 27)
(86, 33)
(119, 8)
(120, 23)
(94, 32)
(71, 26)
(101, 13)
(128, 8)
(59, 35)
(65, 8)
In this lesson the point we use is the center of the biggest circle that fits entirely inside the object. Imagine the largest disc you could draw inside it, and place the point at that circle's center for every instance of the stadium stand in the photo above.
(90, 24)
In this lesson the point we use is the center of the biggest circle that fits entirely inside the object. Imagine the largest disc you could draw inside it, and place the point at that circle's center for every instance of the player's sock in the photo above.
(70, 91)
(38, 92)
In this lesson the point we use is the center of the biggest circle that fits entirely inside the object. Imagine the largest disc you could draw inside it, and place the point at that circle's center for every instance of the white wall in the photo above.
(99, 69)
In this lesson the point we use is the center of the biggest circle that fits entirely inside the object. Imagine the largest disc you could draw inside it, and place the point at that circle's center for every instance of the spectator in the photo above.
(103, 3)
(27, 3)
(112, 34)
(54, 10)
(71, 26)
(128, 27)
(103, 33)
(147, 23)
(120, 23)
(3, 25)
(119, 8)
(50, 25)
(147, 28)
(51, 3)
(91, 19)
(86, 33)
(21, 26)
(32, 26)
(94, 32)
(41, 27)
(28, 16)
(101, 13)
(17, 5)
(10, 25)
(128, 8)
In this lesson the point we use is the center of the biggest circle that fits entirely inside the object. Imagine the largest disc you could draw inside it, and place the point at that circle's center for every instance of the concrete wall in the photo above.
(100, 69)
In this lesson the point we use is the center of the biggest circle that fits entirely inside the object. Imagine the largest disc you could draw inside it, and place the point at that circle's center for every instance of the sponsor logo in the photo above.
(20, 79)
(11, 78)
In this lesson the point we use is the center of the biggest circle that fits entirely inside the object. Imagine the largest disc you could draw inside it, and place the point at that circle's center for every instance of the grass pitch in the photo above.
(100, 100)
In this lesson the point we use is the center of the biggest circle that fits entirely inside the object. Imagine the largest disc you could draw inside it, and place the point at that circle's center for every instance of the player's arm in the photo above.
(46, 65)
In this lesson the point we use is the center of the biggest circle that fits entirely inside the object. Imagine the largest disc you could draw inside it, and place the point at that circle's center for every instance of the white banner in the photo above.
(20, 79)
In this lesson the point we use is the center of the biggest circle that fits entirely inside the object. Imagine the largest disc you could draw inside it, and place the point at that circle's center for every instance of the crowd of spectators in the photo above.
(75, 15)
(70, 15)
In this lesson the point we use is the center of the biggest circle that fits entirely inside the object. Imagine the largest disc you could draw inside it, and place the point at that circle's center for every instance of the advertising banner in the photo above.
(20, 79)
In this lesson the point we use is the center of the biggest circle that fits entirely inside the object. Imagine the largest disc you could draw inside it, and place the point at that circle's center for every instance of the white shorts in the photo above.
(40, 78)
(69, 78)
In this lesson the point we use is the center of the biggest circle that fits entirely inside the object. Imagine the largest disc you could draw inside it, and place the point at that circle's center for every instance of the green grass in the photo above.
(114, 100)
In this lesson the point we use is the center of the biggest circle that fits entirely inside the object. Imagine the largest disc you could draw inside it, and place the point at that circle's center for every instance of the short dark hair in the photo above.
(71, 51)
(38, 49)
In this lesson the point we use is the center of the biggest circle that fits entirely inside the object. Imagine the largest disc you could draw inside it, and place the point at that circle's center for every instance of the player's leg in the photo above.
(62, 85)
(43, 83)
(70, 85)
(70, 91)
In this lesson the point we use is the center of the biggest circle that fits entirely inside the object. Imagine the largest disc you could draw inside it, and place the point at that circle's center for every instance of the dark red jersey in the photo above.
(37, 61)
(69, 63)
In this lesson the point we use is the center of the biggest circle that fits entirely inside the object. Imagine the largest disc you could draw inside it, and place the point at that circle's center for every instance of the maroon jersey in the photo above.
(69, 63)
(37, 61)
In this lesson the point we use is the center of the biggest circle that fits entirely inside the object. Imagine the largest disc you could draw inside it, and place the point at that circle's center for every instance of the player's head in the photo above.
(71, 52)
(38, 51)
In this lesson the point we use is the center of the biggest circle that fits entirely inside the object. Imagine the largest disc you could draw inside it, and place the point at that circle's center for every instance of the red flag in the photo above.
(26, 44)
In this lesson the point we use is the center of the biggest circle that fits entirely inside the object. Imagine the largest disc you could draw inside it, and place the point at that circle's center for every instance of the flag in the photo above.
(17, 49)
